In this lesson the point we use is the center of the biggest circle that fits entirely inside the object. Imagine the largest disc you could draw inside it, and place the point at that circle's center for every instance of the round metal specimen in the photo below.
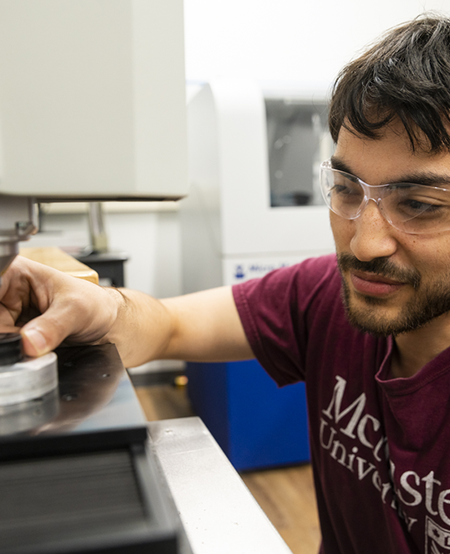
(33, 414)
(28, 379)
(10, 348)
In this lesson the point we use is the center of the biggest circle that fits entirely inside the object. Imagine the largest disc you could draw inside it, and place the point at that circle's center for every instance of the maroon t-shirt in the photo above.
(380, 447)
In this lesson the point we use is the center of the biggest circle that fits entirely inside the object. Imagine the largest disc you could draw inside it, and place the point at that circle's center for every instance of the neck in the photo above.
(417, 348)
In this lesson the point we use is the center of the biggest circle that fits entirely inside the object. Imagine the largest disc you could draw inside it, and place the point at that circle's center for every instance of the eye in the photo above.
(419, 201)
(346, 191)
(341, 189)
(418, 207)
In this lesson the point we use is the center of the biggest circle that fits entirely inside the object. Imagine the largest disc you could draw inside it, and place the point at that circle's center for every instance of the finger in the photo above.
(7, 319)
(9, 329)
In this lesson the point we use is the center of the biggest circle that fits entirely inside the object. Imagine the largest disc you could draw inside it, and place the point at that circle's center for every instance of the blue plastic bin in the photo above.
(257, 424)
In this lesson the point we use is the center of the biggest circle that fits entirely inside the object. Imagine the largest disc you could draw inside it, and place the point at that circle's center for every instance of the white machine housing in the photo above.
(230, 231)
(92, 99)
(92, 106)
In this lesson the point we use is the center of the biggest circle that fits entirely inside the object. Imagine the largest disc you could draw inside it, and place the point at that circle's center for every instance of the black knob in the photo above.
(11, 350)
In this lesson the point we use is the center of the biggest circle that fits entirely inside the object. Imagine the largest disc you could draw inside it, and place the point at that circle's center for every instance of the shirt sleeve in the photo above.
(277, 311)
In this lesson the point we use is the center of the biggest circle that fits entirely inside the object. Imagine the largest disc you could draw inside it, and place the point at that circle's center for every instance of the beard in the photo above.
(427, 303)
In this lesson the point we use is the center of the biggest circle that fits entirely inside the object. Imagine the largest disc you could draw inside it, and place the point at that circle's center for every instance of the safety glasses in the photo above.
(411, 208)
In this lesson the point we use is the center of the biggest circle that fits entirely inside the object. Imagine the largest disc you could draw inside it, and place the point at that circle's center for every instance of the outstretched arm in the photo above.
(50, 307)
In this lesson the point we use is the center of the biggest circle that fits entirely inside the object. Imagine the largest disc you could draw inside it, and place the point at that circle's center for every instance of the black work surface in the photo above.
(94, 407)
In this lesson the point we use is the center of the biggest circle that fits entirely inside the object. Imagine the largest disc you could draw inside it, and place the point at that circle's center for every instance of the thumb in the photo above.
(40, 336)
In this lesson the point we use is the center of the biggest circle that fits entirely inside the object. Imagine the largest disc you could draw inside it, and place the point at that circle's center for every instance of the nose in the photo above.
(373, 235)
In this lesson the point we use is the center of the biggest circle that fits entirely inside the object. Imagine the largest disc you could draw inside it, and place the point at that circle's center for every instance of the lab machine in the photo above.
(254, 206)
(92, 106)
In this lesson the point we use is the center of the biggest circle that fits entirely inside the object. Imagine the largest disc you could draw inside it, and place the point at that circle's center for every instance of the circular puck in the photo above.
(10, 348)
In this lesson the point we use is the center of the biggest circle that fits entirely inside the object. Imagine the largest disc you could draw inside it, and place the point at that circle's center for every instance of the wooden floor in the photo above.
(286, 495)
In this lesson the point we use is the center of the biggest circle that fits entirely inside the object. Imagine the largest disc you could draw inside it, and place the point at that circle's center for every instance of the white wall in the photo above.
(289, 40)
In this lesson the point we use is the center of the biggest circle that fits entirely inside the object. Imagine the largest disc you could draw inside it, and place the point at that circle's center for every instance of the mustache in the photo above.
(380, 266)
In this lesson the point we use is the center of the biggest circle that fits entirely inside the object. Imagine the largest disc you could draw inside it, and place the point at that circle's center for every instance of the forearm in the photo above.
(206, 327)
(203, 326)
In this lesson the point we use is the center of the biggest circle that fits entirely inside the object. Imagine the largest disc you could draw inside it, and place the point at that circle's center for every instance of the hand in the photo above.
(48, 306)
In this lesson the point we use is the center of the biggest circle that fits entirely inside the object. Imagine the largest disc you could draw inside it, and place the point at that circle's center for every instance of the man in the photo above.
(375, 358)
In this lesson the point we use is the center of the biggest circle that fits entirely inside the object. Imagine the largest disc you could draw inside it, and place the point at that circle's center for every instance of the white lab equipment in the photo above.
(92, 106)
(254, 159)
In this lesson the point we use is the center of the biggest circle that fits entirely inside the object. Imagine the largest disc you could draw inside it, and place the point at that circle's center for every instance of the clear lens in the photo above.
(342, 193)
(408, 207)
(418, 208)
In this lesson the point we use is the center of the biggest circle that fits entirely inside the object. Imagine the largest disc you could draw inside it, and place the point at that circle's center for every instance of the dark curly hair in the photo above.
(405, 75)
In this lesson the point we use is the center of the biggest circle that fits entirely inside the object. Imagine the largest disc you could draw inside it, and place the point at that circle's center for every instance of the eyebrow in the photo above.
(427, 178)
